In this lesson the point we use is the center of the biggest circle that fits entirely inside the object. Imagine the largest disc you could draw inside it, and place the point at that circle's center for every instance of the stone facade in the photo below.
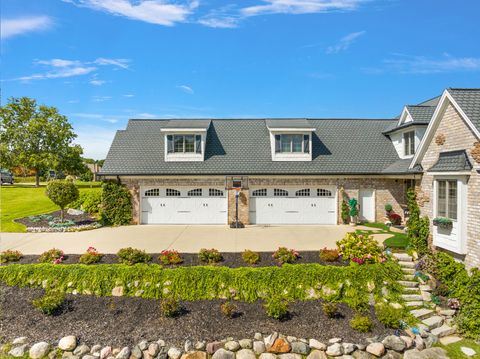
(457, 136)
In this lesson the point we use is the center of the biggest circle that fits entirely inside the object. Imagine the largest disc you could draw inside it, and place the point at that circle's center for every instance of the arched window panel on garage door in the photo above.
(213, 192)
(277, 192)
(260, 193)
(196, 192)
(322, 192)
(305, 192)
(154, 192)
(170, 192)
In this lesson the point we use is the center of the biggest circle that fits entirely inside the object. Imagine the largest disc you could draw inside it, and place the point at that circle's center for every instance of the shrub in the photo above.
(250, 257)
(170, 257)
(90, 256)
(53, 256)
(89, 202)
(389, 316)
(276, 307)
(50, 302)
(441, 290)
(330, 309)
(353, 204)
(361, 324)
(345, 213)
(116, 208)
(61, 193)
(388, 208)
(132, 256)
(360, 246)
(210, 256)
(396, 219)
(169, 307)
(10, 256)
(418, 229)
(228, 309)
(284, 255)
(329, 255)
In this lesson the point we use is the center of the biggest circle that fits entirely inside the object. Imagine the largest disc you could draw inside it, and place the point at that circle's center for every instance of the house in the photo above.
(298, 171)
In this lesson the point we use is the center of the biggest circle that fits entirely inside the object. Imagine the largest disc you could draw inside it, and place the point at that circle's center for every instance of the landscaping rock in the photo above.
(123, 354)
(267, 356)
(105, 352)
(153, 349)
(195, 355)
(96, 348)
(443, 331)
(174, 353)
(315, 344)
(291, 339)
(317, 354)
(419, 342)
(222, 354)
(258, 336)
(245, 354)
(270, 340)
(279, 346)
(394, 342)
(377, 349)
(199, 345)
(362, 355)
(392, 354)
(39, 350)
(136, 352)
(300, 348)
(68, 343)
(232, 345)
(213, 347)
(469, 352)
(348, 348)
(334, 350)
(161, 342)
(290, 356)
(245, 343)
(88, 357)
(335, 340)
(449, 339)
(81, 350)
(447, 312)
(117, 291)
(188, 346)
(143, 345)
(432, 353)
(19, 351)
(75, 212)
(19, 341)
(433, 322)
(259, 347)
(408, 341)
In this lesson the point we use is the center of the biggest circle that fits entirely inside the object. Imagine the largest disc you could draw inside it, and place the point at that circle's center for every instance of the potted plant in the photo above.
(443, 222)
(353, 204)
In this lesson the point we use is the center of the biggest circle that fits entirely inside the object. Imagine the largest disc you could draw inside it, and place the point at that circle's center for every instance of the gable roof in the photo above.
(452, 161)
(242, 147)
(469, 102)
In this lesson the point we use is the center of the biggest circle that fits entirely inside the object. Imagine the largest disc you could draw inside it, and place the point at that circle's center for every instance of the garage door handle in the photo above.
(331, 211)
(183, 211)
(291, 211)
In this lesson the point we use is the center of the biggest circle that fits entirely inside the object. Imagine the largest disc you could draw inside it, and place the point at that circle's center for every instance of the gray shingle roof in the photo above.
(469, 102)
(401, 166)
(200, 124)
(288, 123)
(432, 102)
(452, 161)
(421, 113)
(242, 147)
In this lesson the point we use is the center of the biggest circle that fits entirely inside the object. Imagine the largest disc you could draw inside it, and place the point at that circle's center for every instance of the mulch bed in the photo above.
(79, 220)
(121, 321)
(232, 260)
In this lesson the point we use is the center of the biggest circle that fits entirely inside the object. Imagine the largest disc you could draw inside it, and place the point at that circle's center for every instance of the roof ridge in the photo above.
(420, 106)
(465, 88)
(265, 119)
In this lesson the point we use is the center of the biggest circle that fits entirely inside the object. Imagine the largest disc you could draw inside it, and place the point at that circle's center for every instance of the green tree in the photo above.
(61, 193)
(37, 137)
(116, 204)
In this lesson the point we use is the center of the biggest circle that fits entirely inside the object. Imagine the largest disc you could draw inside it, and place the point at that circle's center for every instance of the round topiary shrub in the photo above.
(61, 193)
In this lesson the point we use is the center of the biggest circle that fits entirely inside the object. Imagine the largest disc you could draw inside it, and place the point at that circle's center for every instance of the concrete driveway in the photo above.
(187, 239)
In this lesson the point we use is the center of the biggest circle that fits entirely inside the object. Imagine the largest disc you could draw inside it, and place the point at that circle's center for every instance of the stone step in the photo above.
(411, 290)
(433, 322)
(414, 304)
(443, 331)
(404, 257)
(408, 270)
(410, 277)
(422, 313)
(406, 264)
(407, 283)
(425, 288)
(411, 297)
(449, 339)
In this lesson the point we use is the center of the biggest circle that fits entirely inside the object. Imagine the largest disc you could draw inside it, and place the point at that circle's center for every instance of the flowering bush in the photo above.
(396, 219)
(359, 261)
(329, 255)
(10, 256)
(131, 256)
(453, 303)
(360, 247)
(210, 256)
(284, 255)
(170, 257)
(90, 256)
(54, 256)
(250, 257)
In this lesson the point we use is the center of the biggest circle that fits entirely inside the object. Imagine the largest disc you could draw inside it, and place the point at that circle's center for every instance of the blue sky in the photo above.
(104, 61)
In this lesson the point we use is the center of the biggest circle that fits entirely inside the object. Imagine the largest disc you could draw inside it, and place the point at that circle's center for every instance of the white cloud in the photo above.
(122, 63)
(300, 6)
(425, 65)
(128, 95)
(23, 25)
(96, 82)
(95, 140)
(344, 42)
(58, 62)
(160, 12)
(146, 115)
(101, 98)
(62, 73)
(227, 22)
(186, 89)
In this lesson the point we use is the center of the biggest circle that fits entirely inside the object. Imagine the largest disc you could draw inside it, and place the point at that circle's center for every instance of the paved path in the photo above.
(187, 239)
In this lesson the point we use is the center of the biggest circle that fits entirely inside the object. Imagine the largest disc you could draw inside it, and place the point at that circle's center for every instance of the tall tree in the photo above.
(36, 137)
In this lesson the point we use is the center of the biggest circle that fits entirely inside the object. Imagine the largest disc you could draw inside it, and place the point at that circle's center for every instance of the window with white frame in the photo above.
(154, 192)
(259, 193)
(280, 192)
(447, 194)
(170, 192)
(197, 192)
(292, 143)
(303, 193)
(322, 192)
(409, 143)
(184, 144)
(213, 192)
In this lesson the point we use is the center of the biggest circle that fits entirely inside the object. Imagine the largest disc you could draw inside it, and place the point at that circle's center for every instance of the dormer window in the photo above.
(409, 143)
(292, 143)
(184, 144)
(185, 140)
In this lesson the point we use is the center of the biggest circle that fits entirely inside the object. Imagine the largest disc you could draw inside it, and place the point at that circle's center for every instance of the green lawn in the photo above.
(454, 352)
(22, 200)
(397, 240)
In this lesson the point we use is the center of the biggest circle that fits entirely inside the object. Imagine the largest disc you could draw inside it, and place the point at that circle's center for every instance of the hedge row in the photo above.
(350, 285)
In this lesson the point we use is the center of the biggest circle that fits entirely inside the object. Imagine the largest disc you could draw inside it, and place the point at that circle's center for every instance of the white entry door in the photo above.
(161, 205)
(367, 205)
(288, 205)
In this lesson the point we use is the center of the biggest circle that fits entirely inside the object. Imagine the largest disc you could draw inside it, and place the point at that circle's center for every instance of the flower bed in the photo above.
(49, 222)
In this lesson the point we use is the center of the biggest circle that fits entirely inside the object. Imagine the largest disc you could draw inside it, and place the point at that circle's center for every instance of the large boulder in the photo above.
(245, 354)
(377, 349)
(223, 354)
(68, 343)
(394, 342)
(39, 350)
(335, 350)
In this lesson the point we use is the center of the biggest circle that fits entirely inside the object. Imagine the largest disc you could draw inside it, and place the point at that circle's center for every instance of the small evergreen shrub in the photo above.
(116, 207)
(389, 316)
(10, 256)
(361, 324)
(330, 309)
(388, 208)
(169, 307)
(210, 256)
(361, 247)
(89, 202)
(228, 309)
(276, 307)
(91, 256)
(250, 257)
(329, 255)
(50, 302)
(284, 255)
(133, 256)
(169, 257)
(53, 256)
(418, 229)
(345, 212)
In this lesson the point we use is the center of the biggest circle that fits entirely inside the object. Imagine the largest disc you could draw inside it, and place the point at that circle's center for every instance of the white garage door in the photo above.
(293, 205)
(202, 205)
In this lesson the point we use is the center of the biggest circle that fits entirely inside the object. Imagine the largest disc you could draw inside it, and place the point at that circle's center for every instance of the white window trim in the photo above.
(187, 156)
(404, 134)
(291, 156)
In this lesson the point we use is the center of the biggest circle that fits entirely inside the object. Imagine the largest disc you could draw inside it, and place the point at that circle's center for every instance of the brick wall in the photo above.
(457, 136)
